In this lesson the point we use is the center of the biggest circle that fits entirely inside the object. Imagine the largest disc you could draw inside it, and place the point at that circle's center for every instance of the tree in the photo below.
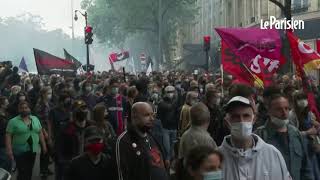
(114, 21)
(24, 32)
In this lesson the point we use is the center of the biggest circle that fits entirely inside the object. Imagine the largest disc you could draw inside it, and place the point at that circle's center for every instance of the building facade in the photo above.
(248, 13)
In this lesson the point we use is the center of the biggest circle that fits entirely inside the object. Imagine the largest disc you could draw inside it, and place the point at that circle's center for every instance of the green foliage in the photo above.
(19, 35)
(114, 21)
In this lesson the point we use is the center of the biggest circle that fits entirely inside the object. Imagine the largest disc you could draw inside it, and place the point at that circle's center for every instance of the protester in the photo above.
(23, 139)
(139, 156)
(42, 110)
(279, 133)
(246, 154)
(59, 117)
(168, 113)
(213, 100)
(116, 106)
(87, 96)
(5, 162)
(303, 119)
(92, 164)
(185, 118)
(204, 163)
(197, 134)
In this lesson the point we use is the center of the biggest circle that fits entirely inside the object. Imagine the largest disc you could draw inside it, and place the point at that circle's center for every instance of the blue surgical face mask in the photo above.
(213, 175)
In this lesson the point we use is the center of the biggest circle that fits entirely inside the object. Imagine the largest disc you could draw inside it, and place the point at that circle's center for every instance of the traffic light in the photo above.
(206, 43)
(88, 35)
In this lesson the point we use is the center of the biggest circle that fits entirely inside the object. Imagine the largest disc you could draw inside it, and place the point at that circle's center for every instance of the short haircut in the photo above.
(199, 154)
(270, 91)
(240, 90)
(276, 96)
(199, 114)
(132, 90)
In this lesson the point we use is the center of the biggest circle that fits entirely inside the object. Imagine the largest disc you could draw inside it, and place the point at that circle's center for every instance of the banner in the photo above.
(232, 64)
(23, 66)
(48, 64)
(303, 55)
(257, 51)
(248, 42)
(305, 59)
(69, 57)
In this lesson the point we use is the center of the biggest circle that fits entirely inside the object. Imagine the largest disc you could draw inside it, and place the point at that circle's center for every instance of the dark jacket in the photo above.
(132, 157)
(82, 168)
(295, 155)
(72, 144)
(168, 113)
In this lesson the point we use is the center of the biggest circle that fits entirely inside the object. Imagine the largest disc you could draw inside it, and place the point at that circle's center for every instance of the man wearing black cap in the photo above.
(92, 164)
(246, 155)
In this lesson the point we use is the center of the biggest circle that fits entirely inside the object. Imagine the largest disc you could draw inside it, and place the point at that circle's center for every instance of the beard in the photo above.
(145, 129)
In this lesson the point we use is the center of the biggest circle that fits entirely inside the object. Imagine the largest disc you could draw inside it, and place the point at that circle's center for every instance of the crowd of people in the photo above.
(169, 125)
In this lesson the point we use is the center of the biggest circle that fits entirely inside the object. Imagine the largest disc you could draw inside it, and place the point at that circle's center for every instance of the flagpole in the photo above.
(254, 76)
(221, 70)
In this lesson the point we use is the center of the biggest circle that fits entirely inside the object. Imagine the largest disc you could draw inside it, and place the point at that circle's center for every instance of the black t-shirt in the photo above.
(82, 168)
(157, 167)
(59, 120)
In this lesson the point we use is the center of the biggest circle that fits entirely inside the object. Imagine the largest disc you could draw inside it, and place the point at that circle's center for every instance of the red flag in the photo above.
(305, 59)
(232, 64)
(49, 64)
(303, 55)
(258, 51)
(318, 45)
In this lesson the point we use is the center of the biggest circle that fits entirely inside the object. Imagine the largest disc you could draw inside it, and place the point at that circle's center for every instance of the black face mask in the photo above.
(25, 113)
(144, 129)
(81, 116)
(67, 104)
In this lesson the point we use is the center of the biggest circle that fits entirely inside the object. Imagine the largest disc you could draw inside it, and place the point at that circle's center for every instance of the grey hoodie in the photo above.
(262, 162)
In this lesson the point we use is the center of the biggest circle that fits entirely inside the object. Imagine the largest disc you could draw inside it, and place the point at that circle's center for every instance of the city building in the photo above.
(249, 13)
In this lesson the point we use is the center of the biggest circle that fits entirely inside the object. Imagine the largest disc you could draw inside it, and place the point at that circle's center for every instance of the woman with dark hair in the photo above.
(302, 118)
(12, 109)
(23, 139)
(204, 163)
(100, 115)
(42, 110)
(5, 162)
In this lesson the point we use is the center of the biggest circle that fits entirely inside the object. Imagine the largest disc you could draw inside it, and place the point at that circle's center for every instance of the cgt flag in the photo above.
(305, 59)
(69, 57)
(303, 55)
(256, 51)
(48, 64)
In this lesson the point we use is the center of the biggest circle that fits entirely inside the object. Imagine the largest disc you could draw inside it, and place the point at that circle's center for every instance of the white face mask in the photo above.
(241, 130)
(279, 123)
(88, 88)
(302, 103)
(213, 175)
(49, 96)
(170, 95)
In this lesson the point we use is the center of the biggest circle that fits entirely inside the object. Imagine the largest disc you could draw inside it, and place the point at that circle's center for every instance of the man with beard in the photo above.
(139, 156)
(212, 100)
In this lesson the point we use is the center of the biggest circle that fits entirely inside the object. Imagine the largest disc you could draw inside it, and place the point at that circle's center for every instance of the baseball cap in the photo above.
(237, 100)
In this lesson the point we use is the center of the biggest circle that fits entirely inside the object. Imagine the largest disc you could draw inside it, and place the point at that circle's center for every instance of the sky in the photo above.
(56, 14)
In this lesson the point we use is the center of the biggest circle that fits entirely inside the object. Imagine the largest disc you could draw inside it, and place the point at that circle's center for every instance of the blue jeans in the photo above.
(169, 137)
(5, 162)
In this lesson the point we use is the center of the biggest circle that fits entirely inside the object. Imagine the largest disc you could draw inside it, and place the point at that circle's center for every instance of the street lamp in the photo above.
(85, 15)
